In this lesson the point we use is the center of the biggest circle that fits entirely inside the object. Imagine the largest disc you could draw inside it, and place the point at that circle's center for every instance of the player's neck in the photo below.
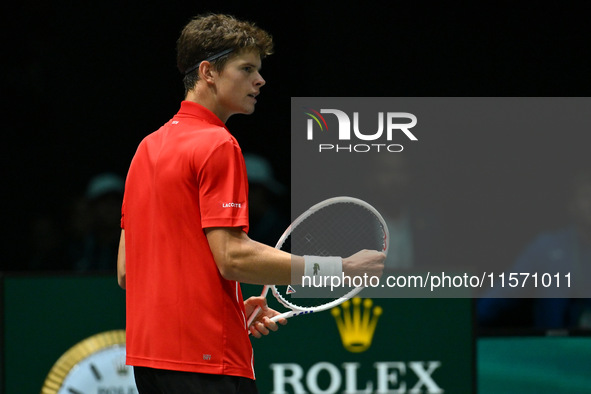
(207, 100)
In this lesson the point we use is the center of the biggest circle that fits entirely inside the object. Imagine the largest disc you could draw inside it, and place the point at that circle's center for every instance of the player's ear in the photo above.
(206, 71)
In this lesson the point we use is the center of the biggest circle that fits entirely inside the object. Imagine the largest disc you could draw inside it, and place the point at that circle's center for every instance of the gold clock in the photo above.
(94, 365)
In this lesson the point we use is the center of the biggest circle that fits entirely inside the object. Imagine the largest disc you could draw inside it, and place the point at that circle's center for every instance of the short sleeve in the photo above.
(223, 188)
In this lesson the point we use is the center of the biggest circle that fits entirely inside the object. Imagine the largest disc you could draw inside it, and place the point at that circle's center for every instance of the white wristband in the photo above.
(323, 266)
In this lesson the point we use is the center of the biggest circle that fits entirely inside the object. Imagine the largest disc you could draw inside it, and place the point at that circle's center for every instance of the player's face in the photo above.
(238, 84)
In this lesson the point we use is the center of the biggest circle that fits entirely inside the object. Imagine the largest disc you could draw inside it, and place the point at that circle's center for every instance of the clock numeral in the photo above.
(95, 372)
(74, 391)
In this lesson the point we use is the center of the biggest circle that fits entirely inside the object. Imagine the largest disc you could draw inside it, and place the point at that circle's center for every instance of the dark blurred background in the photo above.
(84, 82)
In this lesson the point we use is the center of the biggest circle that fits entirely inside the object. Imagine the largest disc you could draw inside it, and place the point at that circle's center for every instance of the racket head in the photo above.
(338, 226)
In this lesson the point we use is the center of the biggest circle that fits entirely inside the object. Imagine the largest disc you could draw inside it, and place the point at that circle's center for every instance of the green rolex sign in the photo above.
(372, 346)
(362, 346)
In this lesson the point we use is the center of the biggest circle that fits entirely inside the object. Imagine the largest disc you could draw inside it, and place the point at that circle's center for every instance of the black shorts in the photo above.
(160, 381)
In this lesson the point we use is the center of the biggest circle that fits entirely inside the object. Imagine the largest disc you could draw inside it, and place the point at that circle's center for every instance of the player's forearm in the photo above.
(257, 263)
(242, 259)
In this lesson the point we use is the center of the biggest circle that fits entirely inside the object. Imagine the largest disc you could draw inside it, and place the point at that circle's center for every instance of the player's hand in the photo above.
(364, 262)
(262, 324)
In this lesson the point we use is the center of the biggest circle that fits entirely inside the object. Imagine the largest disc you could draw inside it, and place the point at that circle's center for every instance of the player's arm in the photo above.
(121, 261)
(244, 260)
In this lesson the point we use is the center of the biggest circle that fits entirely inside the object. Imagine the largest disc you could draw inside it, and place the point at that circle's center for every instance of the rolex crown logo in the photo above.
(357, 323)
(121, 368)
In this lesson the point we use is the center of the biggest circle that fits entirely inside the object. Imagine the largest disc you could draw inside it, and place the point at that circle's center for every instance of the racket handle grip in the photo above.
(274, 319)
(255, 313)
(285, 315)
(253, 316)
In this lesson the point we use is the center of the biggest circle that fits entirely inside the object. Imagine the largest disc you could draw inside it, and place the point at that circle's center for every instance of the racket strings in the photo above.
(339, 229)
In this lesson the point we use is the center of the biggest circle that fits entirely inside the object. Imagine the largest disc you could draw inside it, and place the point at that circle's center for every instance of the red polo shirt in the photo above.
(181, 313)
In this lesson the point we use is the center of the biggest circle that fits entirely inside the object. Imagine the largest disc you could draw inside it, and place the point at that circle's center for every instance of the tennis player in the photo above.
(184, 247)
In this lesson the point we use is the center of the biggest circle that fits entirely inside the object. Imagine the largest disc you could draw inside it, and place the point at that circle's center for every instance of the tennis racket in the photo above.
(339, 226)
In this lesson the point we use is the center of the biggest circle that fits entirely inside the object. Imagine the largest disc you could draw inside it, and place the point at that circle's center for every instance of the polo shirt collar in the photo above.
(190, 108)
